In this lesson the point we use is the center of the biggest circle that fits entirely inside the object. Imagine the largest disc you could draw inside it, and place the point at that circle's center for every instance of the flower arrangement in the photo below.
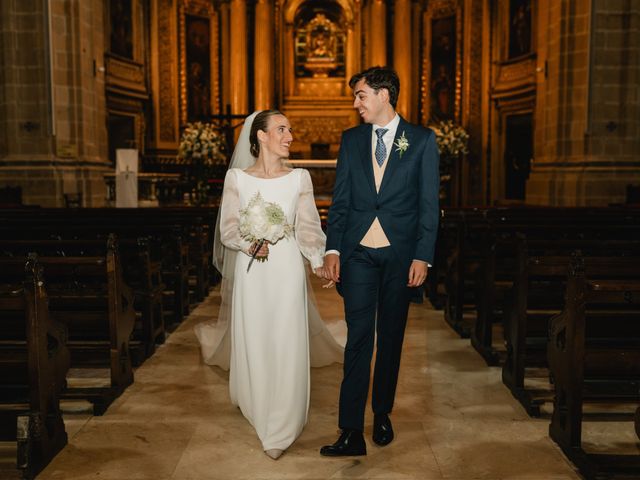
(203, 148)
(202, 144)
(262, 221)
(452, 139)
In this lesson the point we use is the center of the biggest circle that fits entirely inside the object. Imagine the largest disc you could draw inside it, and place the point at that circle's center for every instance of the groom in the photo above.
(380, 241)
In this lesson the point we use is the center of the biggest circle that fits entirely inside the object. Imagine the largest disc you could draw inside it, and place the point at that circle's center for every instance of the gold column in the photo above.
(352, 56)
(402, 54)
(238, 60)
(289, 60)
(225, 55)
(263, 61)
(378, 33)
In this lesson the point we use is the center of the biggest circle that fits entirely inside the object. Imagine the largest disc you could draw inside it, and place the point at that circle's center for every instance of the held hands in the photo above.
(321, 273)
(417, 273)
(332, 267)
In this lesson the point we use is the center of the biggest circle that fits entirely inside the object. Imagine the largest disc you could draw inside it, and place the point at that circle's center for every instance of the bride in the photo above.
(268, 331)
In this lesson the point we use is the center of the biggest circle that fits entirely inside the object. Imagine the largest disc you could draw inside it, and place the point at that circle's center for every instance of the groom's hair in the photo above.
(260, 122)
(380, 77)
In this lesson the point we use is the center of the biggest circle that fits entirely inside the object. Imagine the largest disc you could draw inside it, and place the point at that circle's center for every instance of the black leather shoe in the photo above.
(350, 444)
(382, 429)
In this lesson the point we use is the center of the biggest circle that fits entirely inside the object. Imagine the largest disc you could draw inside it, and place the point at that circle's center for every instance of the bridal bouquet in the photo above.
(262, 221)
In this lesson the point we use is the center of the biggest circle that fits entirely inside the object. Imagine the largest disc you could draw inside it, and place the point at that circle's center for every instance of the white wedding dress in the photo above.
(273, 328)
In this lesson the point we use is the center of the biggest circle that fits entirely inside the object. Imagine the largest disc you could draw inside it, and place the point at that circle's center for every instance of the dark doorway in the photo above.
(121, 130)
(518, 153)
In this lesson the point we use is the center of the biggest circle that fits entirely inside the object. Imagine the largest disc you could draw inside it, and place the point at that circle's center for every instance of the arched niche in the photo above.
(299, 77)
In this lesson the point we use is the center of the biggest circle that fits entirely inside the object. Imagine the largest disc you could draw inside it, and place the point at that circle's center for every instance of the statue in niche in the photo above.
(321, 46)
(121, 28)
(520, 28)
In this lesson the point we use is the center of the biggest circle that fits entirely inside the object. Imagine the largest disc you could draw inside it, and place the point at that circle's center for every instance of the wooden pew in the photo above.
(594, 355)
(184, 236)
(497, 245)
(537, 295)
(140, 272)
(87, 294)
(34, 361)
(465, 228)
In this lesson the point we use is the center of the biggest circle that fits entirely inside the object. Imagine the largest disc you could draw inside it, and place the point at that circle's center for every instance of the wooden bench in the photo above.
(140, 272)
(465, 228)
(537, 295)
(34, 361)
(88, 295)
(184, 237)
(594, 355)
(497, 257)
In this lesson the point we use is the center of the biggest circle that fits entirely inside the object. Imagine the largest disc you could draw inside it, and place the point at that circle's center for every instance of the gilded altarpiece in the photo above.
(319, 50)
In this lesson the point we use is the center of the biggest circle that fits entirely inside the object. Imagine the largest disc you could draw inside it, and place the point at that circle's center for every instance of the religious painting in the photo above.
(121, 28)
(519, 28)
(442, 85)
(198, 67)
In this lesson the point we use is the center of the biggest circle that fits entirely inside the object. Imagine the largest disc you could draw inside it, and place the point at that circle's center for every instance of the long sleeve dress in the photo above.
(269, 329)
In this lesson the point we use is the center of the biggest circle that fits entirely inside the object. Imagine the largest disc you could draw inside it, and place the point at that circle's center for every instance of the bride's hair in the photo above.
(260, 122)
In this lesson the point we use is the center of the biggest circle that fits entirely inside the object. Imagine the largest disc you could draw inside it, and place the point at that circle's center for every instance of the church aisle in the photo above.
(453, 420)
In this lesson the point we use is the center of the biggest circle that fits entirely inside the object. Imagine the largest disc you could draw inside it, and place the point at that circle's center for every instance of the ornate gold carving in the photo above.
(314, 128)
(125, 74)
(514, 75)
(320, 87)
(165, 73)
(321, 46)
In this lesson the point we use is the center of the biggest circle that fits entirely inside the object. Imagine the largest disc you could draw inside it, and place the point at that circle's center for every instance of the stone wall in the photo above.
(587, 142)
(52, 103)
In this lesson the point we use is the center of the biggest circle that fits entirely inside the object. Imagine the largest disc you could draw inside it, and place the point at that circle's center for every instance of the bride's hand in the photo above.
(319, 272)
(262, 252)
(329, 285)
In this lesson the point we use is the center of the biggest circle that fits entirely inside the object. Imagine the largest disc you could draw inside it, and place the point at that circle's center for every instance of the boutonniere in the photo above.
(402, 144)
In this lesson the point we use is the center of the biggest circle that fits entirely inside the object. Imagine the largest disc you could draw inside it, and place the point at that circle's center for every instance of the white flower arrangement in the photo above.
(262, 221)
(402, 144)
(201, 143)
(452, 139)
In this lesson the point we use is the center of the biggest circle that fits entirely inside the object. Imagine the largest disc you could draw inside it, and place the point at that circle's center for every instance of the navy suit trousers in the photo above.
(376, 301)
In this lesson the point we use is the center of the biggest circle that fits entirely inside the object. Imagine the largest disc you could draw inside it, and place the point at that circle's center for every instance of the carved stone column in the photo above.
(402, 54)
(263, 79)
(378, 33)
(238, 64)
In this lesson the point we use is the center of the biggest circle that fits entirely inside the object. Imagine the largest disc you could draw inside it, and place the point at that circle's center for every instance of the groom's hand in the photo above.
(332, 267)
(417, 273)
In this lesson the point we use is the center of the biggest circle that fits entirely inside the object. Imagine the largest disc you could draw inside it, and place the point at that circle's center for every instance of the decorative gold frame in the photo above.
(441, 9)
(201, 8)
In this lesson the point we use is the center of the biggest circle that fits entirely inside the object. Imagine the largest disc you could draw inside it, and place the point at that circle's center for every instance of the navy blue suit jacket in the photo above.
(407, 203)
